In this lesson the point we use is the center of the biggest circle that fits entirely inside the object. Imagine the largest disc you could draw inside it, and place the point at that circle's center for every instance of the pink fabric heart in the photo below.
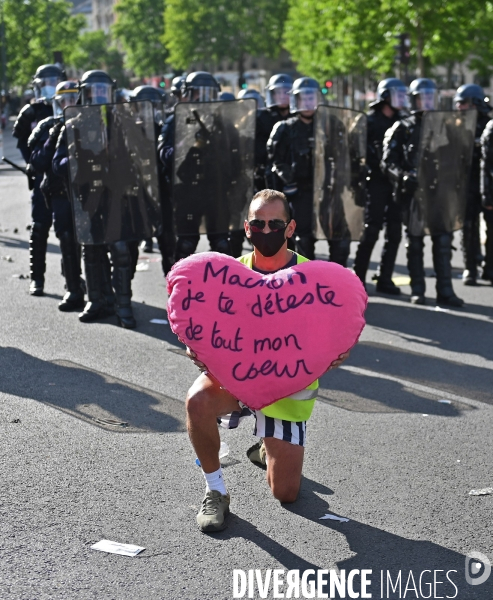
(264, 337)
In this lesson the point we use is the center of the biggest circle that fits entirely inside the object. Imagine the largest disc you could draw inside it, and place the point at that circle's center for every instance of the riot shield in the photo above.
(113, 172)
(340, 173)
(213, 165)
(444, 161)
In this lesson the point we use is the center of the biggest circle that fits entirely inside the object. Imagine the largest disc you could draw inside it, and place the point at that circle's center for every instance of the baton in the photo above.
(13, 164)
(203, 128)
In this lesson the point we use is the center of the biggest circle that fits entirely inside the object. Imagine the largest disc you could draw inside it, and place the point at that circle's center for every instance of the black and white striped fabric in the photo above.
(289, 431)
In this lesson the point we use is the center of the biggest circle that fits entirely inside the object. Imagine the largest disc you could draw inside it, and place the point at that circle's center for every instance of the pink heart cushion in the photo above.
(264, 337)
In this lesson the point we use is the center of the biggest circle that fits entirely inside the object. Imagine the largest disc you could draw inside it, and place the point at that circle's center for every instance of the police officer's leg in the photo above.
(220, 243)
(147, 245)
(393, 234)
(122, 280)
(488, 260)
(166, 239)
(339, 251)
(374, 218)
(186, 245)
(415, 246)
(96, 305)
(106, 283)
(62, 219)
(470, 234)
(301, 210)
(38, 243)
(442, 254)
(236, 238)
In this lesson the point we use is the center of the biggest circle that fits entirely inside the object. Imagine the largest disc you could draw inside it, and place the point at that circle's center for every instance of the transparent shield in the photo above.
(340, 173)
(113, 172)
(213, 165)
(444, 161)
(398, 98)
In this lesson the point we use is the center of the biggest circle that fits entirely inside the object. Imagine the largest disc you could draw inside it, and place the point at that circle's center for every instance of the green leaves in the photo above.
(139, 28)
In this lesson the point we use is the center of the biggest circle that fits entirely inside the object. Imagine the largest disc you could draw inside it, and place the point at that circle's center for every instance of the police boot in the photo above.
(122, 283)
(220, 243)
(95, 307)
(442, 253)
(74, 298)
(339, 251)
(107, 287)
(185, 246)
(365, 248)
(487, 274)
(414, 246)
(305, 245)
(37, 253)
(385, 285)
(469, 250)
(236, 238)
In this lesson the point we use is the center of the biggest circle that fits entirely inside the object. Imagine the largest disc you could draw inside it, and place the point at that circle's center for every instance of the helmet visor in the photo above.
(201, 94)
(98, 93)
(398, 98)
(306, 99)
(427, 99)
(46, 87)
(278, 96)
(62, 100)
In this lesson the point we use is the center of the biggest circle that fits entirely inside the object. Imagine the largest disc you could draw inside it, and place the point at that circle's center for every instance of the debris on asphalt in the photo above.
(142, 266)
(15, 421)
(7, 258)
(15, 230)
(20, 276)
(159, 321)
(112, 422)
(116, 548)
(483, 492)
(445, 402)
(334, 518)
(28, 227)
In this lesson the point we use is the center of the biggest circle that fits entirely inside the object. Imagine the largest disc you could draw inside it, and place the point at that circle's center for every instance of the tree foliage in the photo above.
(357, 36)
(33, 30)
(139, 28)
(208, 32)
(94, 50)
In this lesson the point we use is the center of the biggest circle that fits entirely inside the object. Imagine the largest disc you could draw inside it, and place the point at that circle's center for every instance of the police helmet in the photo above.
(97, 87)
(471, 93)
(45, 80)
(423, 94)
(250, 93)
(66, 94)
(226, 97)
(148, 92)
(176, 85)
(305, 95)
(391, 91)
(277, 90)
(200, 86)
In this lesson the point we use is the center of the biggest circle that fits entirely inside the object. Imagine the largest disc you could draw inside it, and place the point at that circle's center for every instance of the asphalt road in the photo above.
(383, 450)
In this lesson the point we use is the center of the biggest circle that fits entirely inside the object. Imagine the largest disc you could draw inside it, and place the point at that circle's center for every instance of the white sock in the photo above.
(215, 481)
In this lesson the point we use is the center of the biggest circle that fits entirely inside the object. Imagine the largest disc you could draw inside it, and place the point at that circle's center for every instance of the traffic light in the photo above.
(162, 83)
(328, 86)
(403, 48)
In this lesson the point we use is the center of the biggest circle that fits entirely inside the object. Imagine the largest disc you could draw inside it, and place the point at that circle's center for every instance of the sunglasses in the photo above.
(257, 225)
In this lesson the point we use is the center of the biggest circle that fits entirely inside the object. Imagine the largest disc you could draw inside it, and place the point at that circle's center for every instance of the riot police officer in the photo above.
(175, 90)
(42, 145)
(44, 83)
(251, 93)
(290, 150)
(380, 207)
(199, 86)
(97, 87)
(472, 97)
(399, 163)
(166, 238)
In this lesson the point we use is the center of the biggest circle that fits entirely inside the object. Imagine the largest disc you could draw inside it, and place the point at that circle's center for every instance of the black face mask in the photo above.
(268, 244)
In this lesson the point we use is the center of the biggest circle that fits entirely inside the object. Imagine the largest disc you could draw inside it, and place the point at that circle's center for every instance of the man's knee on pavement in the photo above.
(285, 491)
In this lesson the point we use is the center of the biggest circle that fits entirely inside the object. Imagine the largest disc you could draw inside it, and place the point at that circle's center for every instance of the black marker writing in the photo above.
(275, 344)
(226, 304)
(267, 368)
(218, 341)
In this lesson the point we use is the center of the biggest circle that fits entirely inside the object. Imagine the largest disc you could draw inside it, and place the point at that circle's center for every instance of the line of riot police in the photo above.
(109, 175)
